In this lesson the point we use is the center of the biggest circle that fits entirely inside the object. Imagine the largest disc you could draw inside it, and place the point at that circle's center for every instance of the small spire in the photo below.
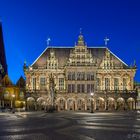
(134, 63)
(24, 66)
(25, 62)
(106, 41)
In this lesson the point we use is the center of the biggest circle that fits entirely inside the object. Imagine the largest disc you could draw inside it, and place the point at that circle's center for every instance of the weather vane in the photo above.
(106, 41)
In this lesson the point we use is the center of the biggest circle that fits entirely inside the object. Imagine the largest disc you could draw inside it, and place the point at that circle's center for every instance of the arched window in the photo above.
(6, 95)
(21, 95)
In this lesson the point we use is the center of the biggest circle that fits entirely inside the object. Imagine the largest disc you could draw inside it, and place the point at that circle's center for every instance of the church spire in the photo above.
(2, 53)
(80, 39)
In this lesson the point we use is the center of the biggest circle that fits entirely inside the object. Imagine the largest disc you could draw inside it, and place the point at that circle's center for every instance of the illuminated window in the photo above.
(124, 83)
(80, 88)
(6, 95)
(71, 88)
(116, 83)
(90, 76)
(98, 83)
(80, 76)
(21, 95)
(61, 83)
(71, 76)
(42, 81)
(34, 83)
(107, 84)
(90, 88)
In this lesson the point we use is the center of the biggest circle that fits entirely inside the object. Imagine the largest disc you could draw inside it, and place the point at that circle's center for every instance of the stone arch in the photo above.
(100, 105)
(30, 99)
(40, 100)
(131, 103)
(80, 104)
(61, 103)
(30, 103)
(111, 103)
(71, 104)
(48, 101)
(41, 103)
(120, 103)
(89, 103)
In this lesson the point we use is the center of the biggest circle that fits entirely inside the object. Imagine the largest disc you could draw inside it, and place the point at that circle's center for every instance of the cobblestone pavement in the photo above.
(70, 126)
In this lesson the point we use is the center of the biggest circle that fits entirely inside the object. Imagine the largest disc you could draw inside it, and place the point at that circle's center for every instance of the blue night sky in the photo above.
(28, 23)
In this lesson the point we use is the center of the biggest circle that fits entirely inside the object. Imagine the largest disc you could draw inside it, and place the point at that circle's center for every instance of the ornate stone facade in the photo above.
(77, 72)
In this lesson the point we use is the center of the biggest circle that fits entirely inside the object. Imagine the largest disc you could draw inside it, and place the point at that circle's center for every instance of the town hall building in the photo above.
(78, 78)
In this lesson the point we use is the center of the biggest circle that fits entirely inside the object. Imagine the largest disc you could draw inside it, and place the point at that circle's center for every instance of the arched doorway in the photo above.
(111, 103)
(61, 103)
(30, 103)
(120, 103)
(131, 103)
(100, 103)
(71, 104)
(90, 102)
(80, 104)
(40, 103)
(7, 99)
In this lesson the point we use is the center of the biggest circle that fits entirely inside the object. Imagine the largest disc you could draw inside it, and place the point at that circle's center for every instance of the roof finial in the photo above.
(48, 41)
(80, 31)
(106, 41)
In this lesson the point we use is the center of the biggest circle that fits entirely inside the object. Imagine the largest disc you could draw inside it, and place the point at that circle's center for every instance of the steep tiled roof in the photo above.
(21, 82)
(6, 81)
(62, 54)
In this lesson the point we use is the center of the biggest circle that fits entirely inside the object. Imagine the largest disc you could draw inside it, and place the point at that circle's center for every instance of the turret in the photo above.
(81, 41)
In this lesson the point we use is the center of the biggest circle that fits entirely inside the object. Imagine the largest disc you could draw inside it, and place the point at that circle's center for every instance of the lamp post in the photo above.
(13, 103)
(91, 111)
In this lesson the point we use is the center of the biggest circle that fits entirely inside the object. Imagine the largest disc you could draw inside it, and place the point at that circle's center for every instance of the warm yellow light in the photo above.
(13, 95)
(91, 94)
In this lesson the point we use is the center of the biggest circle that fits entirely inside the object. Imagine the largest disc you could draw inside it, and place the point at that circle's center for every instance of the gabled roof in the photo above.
(6, 81)
(21, 82)
(62, 54)
(117, 57)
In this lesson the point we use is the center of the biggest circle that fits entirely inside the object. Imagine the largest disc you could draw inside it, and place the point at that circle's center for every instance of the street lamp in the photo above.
(13, 103)
(91, 111)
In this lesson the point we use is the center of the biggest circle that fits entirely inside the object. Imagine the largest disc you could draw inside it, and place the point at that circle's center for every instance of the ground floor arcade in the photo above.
(82, 103)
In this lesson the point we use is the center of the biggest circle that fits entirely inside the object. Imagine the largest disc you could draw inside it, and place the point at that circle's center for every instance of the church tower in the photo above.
(3, 63)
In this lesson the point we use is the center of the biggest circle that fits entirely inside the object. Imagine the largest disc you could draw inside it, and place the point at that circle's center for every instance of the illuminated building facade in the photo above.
(77, 72)
(12, 96)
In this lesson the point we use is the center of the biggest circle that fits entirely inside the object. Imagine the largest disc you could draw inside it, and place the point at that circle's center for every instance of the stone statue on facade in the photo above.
(52, 90)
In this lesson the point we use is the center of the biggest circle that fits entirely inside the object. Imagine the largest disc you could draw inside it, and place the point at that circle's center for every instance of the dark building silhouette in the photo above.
(3, 63)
